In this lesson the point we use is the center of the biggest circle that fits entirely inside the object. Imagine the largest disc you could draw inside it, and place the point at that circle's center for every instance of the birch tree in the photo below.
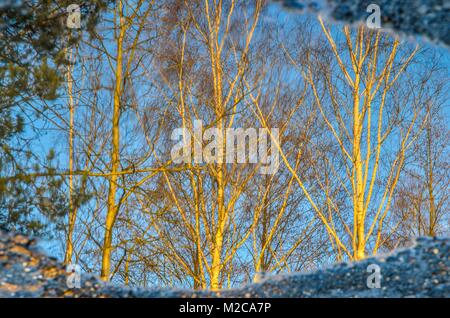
(360, 103)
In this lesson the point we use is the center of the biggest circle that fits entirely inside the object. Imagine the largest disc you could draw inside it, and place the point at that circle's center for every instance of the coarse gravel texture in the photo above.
(429, 19)
(419, 271)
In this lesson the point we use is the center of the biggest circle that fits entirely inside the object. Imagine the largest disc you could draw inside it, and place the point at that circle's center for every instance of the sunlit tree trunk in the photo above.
(72, 208)
(358, 191)
(430, 176)
(216, 67)
(111, 213)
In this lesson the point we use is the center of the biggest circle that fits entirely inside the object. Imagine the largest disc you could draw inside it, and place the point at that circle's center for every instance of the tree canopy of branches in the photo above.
(362, 138)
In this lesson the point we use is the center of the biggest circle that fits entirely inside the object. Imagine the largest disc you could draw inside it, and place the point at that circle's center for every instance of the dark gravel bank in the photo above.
(427, 18)
(420, 271)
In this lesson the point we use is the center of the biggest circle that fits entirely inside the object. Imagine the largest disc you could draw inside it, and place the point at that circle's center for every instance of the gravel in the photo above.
(419, 271)
(429, 19)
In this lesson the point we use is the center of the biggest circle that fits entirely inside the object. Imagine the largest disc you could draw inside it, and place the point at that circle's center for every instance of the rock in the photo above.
(20, 239)
(19, 250)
